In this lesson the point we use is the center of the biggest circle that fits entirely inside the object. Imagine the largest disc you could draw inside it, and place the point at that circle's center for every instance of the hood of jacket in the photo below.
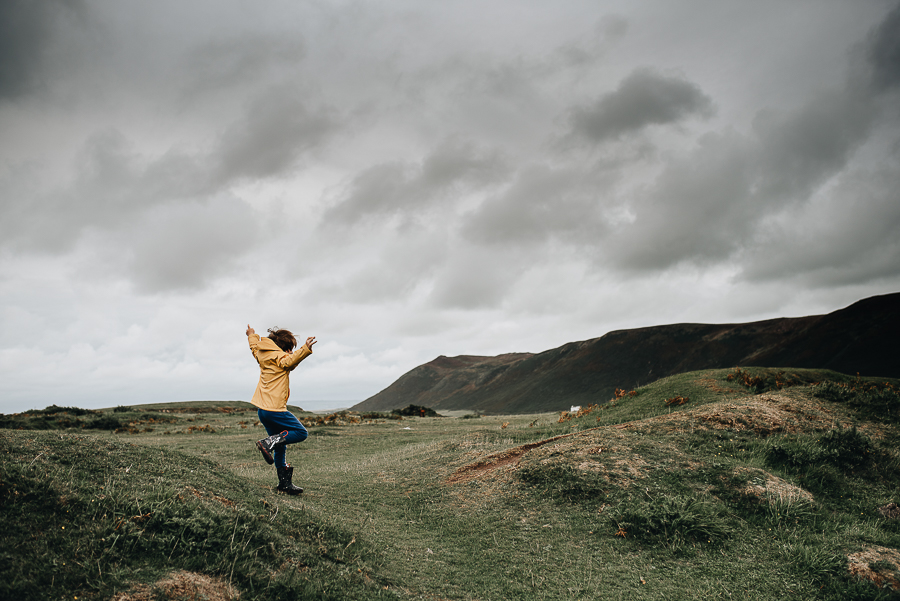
(267, 344)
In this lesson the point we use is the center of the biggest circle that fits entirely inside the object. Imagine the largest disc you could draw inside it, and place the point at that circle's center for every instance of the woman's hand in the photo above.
(250, 330)
(310, 341)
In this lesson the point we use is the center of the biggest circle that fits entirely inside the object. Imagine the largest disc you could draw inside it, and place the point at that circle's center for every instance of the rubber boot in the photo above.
(284, 481)
(267, 445)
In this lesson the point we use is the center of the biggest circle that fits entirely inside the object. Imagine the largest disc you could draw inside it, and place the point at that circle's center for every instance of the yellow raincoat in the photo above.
(273, 389)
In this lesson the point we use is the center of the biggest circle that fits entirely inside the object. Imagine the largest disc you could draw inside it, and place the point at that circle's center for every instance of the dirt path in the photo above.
(496, 460)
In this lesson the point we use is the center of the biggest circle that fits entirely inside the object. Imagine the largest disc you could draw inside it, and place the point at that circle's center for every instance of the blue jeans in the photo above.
(276, 422)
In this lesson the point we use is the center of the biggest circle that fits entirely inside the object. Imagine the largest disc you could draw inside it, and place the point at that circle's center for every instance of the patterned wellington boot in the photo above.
(267, 445)
(284, 481)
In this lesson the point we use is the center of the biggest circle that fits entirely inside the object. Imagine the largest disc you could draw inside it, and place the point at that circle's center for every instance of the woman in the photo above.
(276, 357)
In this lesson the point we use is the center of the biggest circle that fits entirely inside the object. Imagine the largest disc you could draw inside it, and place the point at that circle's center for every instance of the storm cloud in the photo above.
(643, 98)
(27, 34)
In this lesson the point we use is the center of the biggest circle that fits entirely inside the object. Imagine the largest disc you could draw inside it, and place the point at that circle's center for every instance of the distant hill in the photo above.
(860, 338)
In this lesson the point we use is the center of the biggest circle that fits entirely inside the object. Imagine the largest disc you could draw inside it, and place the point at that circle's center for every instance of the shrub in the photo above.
(53, 410)
(104, 422)
(765, 381)
(380, 415)
(416, 411)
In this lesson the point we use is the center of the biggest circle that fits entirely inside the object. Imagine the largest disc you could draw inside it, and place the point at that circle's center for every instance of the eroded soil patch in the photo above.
(496, 460)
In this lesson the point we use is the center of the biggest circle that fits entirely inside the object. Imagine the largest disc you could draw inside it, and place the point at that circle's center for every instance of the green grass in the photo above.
(655, 509)
(91, 516)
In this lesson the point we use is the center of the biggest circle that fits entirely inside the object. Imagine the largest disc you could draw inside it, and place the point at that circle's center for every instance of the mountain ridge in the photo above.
(860, 338)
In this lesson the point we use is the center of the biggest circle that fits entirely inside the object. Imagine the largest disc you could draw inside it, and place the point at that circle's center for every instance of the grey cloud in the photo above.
(390, 269)
(114, 187)
(883, 52)
(388, 188)
(798, 151)
(473, 279)
(643, 98)
(708, 206)
(383, 188)
(132, 219)
(239, 61)
(540, 204)
(27, 31)
(851, 235)
(185, 246)
(105, 191)
(705, 207)
(115, 183)
(608, 31)
(699, 209)
(276, 130)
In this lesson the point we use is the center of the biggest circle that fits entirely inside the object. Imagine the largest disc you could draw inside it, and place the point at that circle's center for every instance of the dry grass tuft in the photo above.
(201, 495)
(880, 565)
(764, 414)
(890, 511)
(184, 586)
(772, 489)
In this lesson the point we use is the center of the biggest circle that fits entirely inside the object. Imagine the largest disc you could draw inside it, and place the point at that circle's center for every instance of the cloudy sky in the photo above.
(410, 179)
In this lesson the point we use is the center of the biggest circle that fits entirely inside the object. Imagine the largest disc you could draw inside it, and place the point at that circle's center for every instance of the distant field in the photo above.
(722, 484)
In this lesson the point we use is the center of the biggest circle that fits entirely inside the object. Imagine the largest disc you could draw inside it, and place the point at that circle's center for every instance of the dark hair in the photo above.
(283, 338)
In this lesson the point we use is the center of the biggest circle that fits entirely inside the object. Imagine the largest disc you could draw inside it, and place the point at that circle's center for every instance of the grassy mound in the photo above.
(791, 470)
(88, 517)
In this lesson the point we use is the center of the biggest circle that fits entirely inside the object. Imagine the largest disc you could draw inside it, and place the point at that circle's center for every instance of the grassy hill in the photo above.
(718, 484)
(860, 338)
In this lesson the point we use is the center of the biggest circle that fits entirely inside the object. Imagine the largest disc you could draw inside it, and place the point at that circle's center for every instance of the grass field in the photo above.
(724, 484)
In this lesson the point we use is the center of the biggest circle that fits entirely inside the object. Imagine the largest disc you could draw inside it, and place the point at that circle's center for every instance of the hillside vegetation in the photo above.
(738, 483)
(861, 338)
